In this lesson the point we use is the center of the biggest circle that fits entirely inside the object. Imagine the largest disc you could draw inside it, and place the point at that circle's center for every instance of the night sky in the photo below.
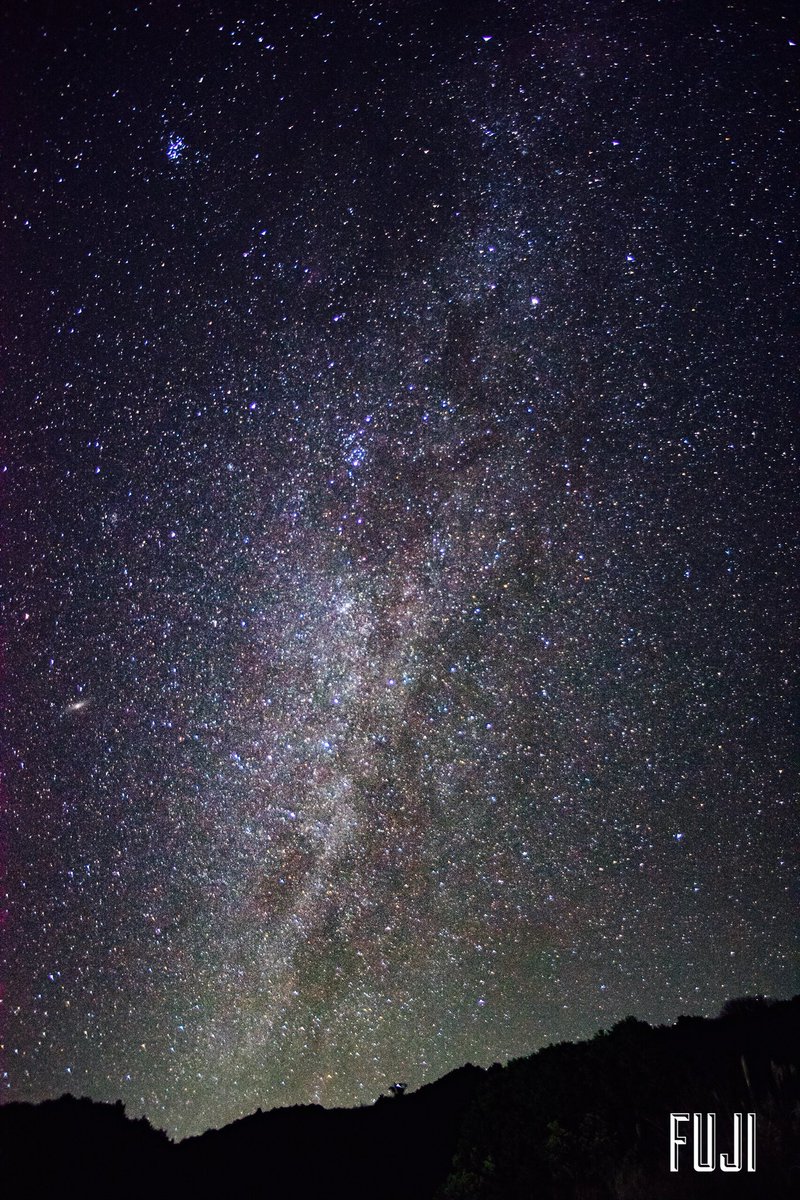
(398, 516)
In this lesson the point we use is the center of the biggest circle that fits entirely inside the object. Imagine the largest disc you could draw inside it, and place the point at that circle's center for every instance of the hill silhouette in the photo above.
(585, 1121)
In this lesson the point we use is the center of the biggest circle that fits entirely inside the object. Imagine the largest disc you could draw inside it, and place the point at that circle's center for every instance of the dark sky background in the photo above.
(398, 522)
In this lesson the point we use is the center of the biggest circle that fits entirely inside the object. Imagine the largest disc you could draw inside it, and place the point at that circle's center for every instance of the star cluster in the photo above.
(398, 490)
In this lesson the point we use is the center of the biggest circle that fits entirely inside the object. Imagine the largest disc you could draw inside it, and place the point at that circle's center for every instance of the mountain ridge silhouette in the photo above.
(572, 1121)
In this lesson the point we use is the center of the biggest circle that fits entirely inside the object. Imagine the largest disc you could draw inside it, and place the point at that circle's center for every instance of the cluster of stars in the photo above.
(397, 487)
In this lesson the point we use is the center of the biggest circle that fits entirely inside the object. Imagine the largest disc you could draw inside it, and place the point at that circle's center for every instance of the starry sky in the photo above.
(398, 531)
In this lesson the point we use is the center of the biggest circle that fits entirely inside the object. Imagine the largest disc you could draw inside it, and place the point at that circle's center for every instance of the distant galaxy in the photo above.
(399, 539)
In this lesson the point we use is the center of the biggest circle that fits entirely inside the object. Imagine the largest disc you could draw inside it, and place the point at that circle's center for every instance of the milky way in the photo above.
(398, 505)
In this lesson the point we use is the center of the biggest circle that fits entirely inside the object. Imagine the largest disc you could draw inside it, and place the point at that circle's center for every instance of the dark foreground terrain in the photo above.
(572, 1122)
